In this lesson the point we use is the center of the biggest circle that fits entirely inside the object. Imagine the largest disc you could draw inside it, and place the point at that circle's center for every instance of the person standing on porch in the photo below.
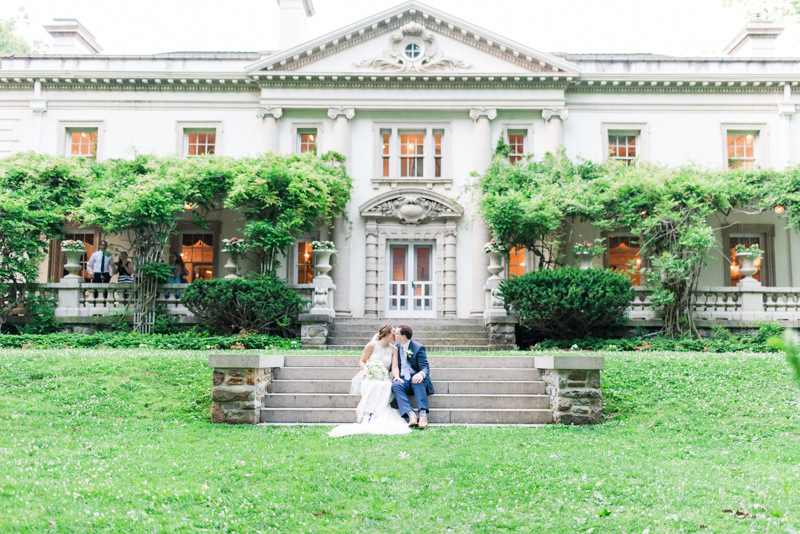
(99, 265)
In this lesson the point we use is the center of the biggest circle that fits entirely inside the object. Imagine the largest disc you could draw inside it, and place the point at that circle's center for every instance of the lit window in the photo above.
(736, 263)
(82, 143)
(385, 153)
(305, 263)
(197, 253)
(622, 148)
(437, 154)
(201, 143)
(623, 256)
(516, 145)
(411, 155)
(741, 150)
(308, 140)
(516, 262)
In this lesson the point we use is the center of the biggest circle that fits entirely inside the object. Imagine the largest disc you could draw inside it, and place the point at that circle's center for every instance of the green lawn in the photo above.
(120, 441)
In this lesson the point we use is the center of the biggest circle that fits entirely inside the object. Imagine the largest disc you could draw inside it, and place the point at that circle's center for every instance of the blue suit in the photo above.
(418, 361)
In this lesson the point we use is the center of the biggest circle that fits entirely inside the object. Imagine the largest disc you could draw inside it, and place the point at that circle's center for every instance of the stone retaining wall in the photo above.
(573, 384)
(240, 382)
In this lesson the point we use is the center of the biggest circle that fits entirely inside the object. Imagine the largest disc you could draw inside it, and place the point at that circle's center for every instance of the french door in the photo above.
(410, 280)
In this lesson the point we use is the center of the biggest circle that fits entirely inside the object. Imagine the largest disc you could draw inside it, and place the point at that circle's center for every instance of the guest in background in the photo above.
(124, 268)
(99, 265)
(179, 272)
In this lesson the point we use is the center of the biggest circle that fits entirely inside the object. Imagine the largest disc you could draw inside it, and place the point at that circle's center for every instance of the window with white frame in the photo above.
(410, 153)
(305, 263)
(517, 145)
(200, 142)
(438, 136)
(741, 149)
(306, 140)
(386, 137)
(623, 146)
(82, 142)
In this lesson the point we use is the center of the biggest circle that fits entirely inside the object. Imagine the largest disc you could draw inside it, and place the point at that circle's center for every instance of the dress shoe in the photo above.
(412, 420)
(423, 420)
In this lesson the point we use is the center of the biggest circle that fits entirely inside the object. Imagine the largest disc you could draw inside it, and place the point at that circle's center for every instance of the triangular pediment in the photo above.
(413, 38)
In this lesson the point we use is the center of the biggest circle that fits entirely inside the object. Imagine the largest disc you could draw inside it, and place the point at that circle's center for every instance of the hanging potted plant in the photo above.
(748, 256)
(586, 252)
(236, 249)
(323, 250)
(495, 251)
(73, 250)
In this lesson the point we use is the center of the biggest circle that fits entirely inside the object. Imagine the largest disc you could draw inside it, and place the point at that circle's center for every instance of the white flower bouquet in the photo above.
(375, 370)
(323, 246)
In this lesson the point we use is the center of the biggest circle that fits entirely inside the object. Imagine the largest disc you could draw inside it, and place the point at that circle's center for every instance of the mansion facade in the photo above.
(416, 100)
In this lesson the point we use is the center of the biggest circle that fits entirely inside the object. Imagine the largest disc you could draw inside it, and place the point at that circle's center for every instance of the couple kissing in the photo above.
(393, 366)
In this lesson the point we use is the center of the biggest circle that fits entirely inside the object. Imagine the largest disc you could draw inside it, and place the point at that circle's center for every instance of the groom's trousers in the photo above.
(403, 388)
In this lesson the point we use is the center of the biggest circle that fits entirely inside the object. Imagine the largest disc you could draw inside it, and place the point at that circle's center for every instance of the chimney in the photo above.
(756, 39)
(70, 37)
(293, 21)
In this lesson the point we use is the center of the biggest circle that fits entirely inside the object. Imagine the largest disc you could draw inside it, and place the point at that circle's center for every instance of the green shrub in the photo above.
(42, 309)
(243, 304)
(131, 340)
(569, 303)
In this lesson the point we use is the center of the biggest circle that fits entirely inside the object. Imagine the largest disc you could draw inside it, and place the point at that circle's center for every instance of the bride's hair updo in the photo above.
(384, 331)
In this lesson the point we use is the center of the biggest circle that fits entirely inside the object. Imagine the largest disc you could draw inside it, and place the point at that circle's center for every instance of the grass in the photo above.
(120, 441)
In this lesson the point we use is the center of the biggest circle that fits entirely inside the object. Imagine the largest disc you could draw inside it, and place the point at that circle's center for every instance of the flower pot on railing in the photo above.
(495, 264)
(585, 259)
(322, 262)
(232, 266)
(748, 268)
(73, 264)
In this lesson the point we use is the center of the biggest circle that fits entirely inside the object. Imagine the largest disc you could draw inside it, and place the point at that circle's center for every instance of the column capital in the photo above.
(341, 111)
(269, 111)
(477, 113)
(561, 113)
(787, 109)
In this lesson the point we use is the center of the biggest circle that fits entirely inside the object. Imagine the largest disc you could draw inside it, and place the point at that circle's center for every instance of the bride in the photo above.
(379, 368)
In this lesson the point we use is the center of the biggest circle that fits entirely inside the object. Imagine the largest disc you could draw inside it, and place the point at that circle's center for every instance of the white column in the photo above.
(554, 128)
(371, 292)
(481, 158)
(270, 134)
(341, 275)
(450, 232)
(786, 109)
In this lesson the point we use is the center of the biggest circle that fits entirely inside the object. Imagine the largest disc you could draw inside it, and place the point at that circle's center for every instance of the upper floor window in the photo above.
(622, 147)
(516, 145)
(385, 139)
(412, 155)
(516, 262)
(407, 153)
(200, 142)
(623, 256)
(742, 150)
(82, 142)
(307, 139)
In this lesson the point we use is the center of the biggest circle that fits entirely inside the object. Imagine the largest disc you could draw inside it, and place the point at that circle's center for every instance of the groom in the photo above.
(414, 376)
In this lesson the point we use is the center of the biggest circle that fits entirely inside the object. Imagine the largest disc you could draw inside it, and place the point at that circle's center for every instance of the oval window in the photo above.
(413, 50)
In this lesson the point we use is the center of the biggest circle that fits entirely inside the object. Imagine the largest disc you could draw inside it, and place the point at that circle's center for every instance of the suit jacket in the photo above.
(418, 362)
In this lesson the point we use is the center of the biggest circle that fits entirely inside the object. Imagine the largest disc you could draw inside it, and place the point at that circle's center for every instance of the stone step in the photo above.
(372, 329)
(452, 362)
(467, 387)
(436, 416)
(445, 374)
(410, 322)
(428, 348)
(431, 340)
(484, 402)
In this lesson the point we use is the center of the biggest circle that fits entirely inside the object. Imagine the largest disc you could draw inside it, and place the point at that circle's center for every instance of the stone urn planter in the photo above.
(73, 263)
(232, 266)
(495, 264)
(585, 259)
(322, 262)
(748, 268)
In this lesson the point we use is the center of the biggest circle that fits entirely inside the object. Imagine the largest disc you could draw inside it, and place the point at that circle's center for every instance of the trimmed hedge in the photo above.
(151, 341)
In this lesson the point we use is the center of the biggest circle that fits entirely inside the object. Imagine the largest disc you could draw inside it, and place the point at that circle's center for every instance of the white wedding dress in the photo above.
(376, 397)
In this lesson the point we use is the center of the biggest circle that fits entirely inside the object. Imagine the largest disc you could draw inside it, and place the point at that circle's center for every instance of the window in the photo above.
(307, 138)
(82, 142)
(623, 256)
(305, 263)
(412, 155)
(747, 240)
(200, 142)
(516, 262)
(412, 50)
(437, 154)
(741, 150)
(622, 148)
(385, 137)
(197, 252)
(516, 145)
(88, 239)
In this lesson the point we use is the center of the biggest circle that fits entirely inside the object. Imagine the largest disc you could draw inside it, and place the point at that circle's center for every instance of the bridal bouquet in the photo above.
(376, 370)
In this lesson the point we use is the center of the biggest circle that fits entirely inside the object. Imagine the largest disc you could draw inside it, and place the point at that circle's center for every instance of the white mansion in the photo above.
(416, 100)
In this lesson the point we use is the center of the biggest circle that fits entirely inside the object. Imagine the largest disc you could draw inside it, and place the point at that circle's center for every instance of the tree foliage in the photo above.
(36, 194)
(283, 195)
(535, 205)
(11, 42)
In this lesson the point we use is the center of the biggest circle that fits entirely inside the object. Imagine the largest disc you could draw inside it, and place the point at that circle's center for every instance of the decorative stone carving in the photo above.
(410, 209)
(562, 114)
(269, 111)
(321, 297)
(412, 50)
(477, 113)
(340, 111)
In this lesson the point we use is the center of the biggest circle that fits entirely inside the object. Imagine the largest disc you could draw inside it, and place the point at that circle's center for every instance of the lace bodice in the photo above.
(384, 355)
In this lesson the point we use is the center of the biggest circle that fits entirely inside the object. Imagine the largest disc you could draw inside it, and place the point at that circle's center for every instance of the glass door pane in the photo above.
(747, 240)
(398, 283)
(423, 284)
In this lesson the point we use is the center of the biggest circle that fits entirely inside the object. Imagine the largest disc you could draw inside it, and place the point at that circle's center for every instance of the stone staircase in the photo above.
(435, 334)
(469, 390)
